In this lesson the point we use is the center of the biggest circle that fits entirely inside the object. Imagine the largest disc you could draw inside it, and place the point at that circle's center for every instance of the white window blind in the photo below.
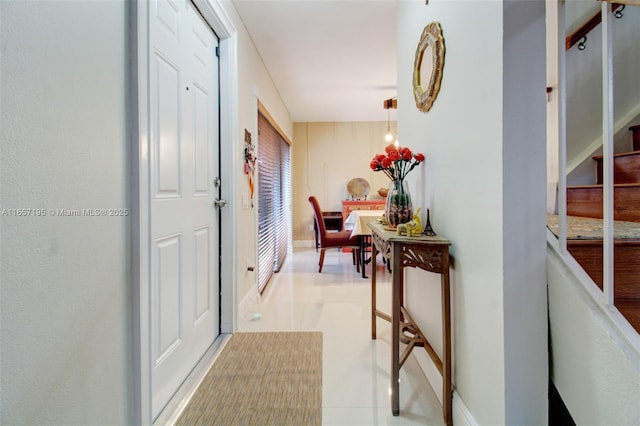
(274, 200)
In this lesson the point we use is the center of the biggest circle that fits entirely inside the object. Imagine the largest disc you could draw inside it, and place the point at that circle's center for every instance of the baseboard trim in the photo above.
(248, 303)
(460, 412)
(304, 243)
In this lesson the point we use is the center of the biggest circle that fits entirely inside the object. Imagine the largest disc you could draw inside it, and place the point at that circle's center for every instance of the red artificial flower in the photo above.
(394, 155)
(397, 162)
(406, 154)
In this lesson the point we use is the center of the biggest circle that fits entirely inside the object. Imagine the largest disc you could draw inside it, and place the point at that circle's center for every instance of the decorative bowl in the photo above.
(383, 192)
(358, 188)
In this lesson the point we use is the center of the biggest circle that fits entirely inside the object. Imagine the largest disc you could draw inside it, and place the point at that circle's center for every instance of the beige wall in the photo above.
(254, 84)
(325, 157)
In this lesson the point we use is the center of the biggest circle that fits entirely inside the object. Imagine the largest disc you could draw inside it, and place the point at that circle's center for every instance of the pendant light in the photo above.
(388, 137)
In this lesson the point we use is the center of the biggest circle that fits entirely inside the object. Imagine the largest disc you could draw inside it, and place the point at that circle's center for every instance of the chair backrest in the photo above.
(322, 229)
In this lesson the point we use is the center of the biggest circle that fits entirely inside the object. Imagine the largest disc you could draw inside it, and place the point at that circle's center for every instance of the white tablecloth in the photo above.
(358, 219)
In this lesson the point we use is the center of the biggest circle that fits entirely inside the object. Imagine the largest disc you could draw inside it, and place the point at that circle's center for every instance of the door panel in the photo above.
(184, 131)
(201, 154)
(202, 278)
(169, 282)
(168, 128)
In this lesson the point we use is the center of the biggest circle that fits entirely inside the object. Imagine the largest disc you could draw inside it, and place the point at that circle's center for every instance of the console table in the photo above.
(430, 254)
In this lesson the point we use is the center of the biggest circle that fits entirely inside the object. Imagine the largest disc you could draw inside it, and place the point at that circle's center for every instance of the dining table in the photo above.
(358, 223)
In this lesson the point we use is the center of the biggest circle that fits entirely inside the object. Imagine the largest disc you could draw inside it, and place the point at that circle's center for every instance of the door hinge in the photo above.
(218, 51)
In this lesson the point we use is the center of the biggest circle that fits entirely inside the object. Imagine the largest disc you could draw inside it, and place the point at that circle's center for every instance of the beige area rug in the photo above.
(261, 379)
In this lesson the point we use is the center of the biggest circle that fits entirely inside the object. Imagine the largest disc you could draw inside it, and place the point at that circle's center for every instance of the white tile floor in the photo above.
(355, 378)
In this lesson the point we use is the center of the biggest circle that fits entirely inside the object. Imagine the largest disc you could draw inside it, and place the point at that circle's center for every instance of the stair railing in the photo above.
(580, 35)
(562, 131)
(608, 150)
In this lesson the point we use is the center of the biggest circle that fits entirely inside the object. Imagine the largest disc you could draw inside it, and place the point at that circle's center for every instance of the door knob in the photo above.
(220, 203)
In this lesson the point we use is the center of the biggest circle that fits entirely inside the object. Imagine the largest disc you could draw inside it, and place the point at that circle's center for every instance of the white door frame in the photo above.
(216, 17)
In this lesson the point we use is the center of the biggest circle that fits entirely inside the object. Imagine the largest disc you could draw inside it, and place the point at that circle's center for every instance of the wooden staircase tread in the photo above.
(585, 228)
(620, 154)
(587, 201)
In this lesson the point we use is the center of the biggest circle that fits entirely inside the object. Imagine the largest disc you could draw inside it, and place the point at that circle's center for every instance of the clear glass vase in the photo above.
(398, 208)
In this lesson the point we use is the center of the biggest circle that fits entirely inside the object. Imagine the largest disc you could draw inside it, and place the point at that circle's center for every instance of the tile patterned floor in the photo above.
(355, 367)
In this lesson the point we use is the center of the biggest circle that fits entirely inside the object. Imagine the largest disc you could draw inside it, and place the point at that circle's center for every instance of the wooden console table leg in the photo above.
(447, 388)
(395, 330)
(373, 290)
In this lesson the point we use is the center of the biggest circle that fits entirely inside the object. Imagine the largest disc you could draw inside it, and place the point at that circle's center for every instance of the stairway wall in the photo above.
(594, 368)
(584, 84)
(582, 170)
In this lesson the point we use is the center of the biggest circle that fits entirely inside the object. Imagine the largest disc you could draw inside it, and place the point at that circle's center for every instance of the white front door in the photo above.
(184, 225)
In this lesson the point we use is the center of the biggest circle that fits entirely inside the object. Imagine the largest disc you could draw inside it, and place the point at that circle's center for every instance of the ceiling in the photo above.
(331, 60)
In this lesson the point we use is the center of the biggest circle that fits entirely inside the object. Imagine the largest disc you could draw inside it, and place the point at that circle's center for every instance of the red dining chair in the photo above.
(333, 239)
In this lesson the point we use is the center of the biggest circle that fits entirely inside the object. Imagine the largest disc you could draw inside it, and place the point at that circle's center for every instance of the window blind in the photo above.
(274, 200)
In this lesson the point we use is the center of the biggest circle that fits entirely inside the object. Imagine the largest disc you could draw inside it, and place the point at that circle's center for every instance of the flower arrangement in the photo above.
(397, 162)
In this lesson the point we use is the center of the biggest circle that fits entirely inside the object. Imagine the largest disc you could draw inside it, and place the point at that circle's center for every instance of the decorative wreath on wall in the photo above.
(427, 66)
(249, 162)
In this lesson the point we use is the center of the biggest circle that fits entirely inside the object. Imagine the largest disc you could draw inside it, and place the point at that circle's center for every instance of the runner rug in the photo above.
(270, 378)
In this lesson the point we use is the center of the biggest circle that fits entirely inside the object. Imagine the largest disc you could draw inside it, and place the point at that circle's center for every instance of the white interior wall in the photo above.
(469, 137)
(461, 183)
(524, 212)
(595, 370)
(65, 305)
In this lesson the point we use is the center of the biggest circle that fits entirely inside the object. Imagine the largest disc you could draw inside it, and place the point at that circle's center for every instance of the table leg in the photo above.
(373, 290)
(447, 388)
(362, 254)
(396, 284)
